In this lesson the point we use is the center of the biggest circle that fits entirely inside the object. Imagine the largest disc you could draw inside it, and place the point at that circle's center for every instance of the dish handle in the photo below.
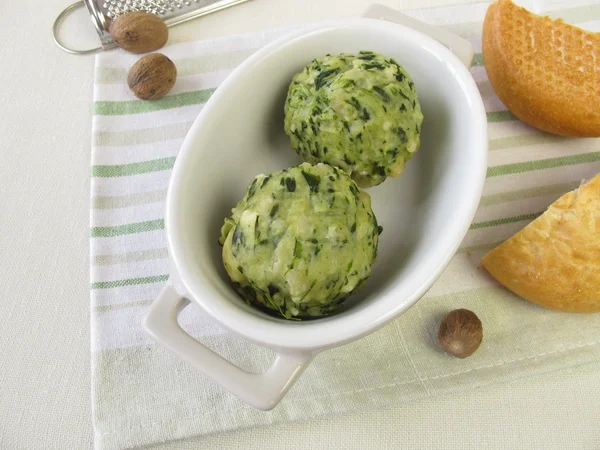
(457, 45)
(260, 390)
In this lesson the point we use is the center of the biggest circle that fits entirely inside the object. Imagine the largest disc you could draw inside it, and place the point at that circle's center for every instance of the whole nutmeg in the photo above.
(152, 76)
(460, 333)
(139, 32)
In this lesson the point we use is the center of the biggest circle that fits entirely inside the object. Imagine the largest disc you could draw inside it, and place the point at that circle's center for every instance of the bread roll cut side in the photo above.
(555, 260)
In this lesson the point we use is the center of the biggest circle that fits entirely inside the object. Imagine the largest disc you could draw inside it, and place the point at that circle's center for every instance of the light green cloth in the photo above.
(144, 395)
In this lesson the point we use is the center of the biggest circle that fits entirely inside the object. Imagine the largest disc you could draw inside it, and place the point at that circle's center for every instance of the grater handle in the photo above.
(56, 27)
(100, 17)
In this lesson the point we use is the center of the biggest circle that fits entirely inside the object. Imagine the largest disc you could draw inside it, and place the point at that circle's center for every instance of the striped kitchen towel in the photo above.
(143, 395)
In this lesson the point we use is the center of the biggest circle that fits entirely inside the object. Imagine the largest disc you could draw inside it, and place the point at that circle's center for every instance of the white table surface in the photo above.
(45, 121)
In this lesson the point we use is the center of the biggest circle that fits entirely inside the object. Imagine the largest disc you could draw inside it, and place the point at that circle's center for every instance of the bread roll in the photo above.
(555, 260)
(545, 71)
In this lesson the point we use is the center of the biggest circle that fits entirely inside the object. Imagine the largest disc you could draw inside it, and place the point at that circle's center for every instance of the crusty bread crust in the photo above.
(545, 71)
(555, 260)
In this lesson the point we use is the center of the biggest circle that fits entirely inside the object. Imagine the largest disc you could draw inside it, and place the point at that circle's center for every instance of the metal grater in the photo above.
(172, 12)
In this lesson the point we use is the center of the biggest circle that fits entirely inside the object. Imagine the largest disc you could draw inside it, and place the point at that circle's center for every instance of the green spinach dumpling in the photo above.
(300, 241)
(357, 112)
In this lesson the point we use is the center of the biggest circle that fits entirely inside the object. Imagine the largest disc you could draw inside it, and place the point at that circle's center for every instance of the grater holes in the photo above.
(114, 8)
